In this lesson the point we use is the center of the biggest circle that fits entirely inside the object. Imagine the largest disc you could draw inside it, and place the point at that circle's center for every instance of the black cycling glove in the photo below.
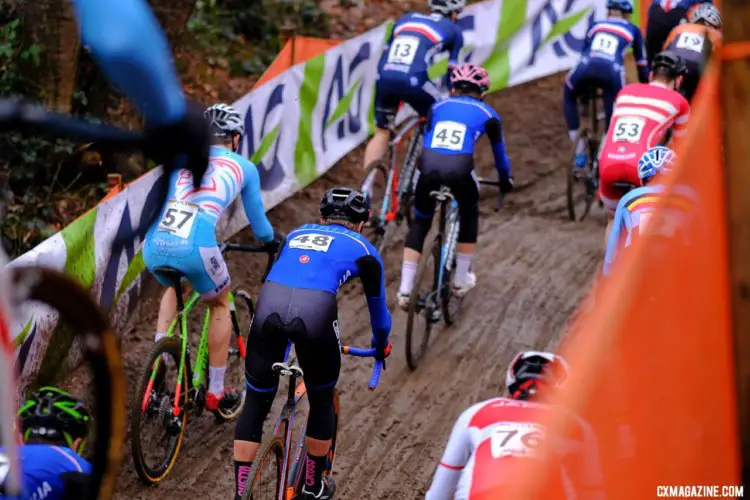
(506, 185)
(184, 144)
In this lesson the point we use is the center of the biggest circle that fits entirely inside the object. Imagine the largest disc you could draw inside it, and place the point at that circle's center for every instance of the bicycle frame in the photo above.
(448, 218)
(390, 205)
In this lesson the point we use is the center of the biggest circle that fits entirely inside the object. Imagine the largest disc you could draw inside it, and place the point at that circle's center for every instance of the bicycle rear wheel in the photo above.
(265, 474)
(151, 419)
(423, 303)
(408, 174)
(581, 184)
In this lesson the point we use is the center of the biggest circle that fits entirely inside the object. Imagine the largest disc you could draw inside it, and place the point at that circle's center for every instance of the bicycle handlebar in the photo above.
(489, 182)
(360, 352)
(239, 247)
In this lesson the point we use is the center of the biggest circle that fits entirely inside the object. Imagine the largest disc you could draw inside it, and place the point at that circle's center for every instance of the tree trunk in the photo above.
(51, 24)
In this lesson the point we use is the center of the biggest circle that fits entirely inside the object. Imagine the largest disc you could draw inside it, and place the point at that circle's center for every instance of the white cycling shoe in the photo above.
(402, 299)
(464, 288)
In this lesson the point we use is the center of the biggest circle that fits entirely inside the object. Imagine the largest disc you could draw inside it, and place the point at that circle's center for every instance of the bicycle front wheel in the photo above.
(152, 424)
(423, 303)
(265, 474)
(378, 229)
(581, 184)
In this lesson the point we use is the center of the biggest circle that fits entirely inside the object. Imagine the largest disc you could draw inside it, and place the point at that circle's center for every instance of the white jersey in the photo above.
(494, 439)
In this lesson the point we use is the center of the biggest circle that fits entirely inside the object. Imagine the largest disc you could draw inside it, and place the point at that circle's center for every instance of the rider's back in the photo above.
(456, 124)
(692, 41)
(417, 38)
(323, 257)
(608, 40)
(44, 468)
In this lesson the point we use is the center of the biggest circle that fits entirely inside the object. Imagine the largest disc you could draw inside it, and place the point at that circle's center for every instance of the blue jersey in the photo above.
(668, 5)
(608, 40)
(129, 46)
(633, 210)
(454, 126)
(44, 468)
(415, 41)
(324, 257)
(190, 215)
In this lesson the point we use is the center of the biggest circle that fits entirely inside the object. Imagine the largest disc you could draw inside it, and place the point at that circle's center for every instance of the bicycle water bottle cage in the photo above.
(442, 195)
(287, 370)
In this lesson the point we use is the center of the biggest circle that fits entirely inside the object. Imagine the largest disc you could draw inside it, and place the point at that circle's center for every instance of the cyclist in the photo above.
(636, 207)
(297, 304)
(491, 440)
(453, 126)
(663, 16)
(694, 42)
(402, 71)
(54, 428)
(184, 238)
(642, 116)
(602, 65)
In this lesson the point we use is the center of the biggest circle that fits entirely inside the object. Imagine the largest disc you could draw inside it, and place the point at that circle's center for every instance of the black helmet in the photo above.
(54, 414)
(670, 61)
(345, 203)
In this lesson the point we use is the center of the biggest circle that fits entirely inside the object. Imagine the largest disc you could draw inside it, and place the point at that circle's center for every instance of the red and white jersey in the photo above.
(642, 114)
(493, 439)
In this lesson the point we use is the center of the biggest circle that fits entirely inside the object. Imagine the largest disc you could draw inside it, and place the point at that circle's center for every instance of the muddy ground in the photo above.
(533, 268)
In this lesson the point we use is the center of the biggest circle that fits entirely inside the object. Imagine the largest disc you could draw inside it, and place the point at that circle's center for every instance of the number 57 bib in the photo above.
(179, 218)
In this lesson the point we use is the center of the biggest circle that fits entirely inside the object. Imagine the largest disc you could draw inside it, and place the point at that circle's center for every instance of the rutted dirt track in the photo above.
(533, 267)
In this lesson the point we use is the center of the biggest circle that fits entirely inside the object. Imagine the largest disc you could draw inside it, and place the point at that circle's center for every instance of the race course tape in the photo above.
(298, 125)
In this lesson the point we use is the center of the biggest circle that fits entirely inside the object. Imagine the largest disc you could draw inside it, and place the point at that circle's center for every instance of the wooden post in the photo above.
(735, 85)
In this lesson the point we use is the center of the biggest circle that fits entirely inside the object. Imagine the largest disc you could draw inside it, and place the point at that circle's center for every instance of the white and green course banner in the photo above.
(298, 126)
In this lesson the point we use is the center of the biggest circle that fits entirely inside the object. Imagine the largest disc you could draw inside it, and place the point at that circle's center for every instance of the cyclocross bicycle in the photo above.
(435, 301)
(392, 186)
(277, 471)
(585, 179)
(166, 403)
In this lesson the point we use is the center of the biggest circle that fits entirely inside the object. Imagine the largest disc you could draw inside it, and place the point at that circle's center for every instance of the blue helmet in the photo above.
(658, 159)
(625, 6)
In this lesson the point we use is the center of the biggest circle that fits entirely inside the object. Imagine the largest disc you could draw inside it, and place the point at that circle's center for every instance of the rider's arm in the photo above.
(454, 55)
(494, 131)
(252, 200)
(620, 222)
(680, 123)
(585, 465)
(130, 47)
(639, 51)
(455, 457)
(371, 273)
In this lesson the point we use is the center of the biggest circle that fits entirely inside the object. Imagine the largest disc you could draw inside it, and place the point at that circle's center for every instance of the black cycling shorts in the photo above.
(309, 318)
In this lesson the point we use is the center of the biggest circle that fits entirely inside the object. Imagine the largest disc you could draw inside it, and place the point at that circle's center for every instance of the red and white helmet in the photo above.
(547, 367)
(468, 73)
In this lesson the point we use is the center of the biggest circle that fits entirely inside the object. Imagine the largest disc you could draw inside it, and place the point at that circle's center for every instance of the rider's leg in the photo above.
(167, 312)
(219, 332)
(386, 107)
(467, 196)
(424, 208)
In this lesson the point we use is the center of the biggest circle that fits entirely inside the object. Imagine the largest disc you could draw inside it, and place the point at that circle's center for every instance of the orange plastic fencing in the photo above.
(652, 354)
(296, 50)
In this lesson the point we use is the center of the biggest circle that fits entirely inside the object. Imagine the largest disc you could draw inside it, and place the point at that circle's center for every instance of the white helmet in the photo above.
(446, 7)
(538, 365)
(224, 120)
(707, 13)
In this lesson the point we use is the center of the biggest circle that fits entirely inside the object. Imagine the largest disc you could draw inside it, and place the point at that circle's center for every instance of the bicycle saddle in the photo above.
(443, 194)
(287, 370)
(170, 273)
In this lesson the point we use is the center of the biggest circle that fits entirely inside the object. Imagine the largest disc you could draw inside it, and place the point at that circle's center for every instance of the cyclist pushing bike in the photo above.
(402, 71)
(54, 427)
(297, 304)
(602, 65)
(492, 440)
(184, 238)
(453, 127)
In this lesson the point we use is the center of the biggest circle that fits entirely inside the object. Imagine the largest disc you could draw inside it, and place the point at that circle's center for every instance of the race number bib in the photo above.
(403, 49)
(179, 218)
(312, 241)
(515, 439)
(690, 41)
(628, 129)
(604, 43)
(449, 135)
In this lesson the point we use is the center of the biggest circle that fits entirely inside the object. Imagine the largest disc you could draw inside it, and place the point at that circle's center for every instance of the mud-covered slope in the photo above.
(533, 265)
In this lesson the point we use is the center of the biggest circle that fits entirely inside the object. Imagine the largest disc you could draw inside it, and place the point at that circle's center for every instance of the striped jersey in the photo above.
(610, 39)
(492, 440)
(642, 115)
(416, 40)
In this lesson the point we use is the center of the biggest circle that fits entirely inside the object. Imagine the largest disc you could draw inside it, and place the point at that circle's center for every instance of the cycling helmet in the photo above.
(470, 75)
(54, 414)
(624, 6)
(657, 160)
(530, 367)
(707, 14)
(446, 7)
(345, 203)
(670, 61)
(224, 120)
